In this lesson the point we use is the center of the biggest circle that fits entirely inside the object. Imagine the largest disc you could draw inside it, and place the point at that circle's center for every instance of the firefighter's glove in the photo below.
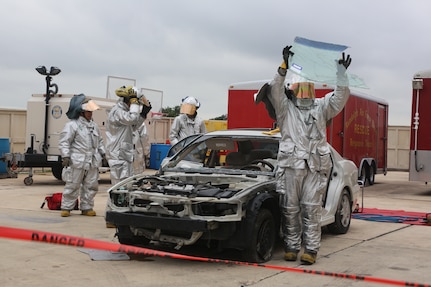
(66, 161)
(134, 100)
(286, 54)
(345, 61)
(272, 132)
(342, 65)
(145, 110)
(104, 161)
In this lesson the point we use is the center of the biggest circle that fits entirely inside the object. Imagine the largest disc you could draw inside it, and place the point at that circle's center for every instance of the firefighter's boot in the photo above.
(89, 212)
(290, 256)
(308, 258)
(65, 213)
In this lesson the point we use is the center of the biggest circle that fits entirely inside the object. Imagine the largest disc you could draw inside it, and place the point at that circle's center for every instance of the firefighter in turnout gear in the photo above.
(82, 151)
(304, 155)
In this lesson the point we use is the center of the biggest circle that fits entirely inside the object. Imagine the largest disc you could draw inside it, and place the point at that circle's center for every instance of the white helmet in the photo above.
(192, 101)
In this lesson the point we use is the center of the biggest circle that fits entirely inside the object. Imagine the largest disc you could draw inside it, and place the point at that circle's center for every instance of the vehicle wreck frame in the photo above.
(201, 194)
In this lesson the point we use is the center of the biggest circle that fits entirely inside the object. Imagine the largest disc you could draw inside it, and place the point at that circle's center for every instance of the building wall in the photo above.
(398, 147)
(13, 126)
(158, 129)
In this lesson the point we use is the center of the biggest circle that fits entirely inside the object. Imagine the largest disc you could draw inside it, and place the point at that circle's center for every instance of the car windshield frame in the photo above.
(196, 156)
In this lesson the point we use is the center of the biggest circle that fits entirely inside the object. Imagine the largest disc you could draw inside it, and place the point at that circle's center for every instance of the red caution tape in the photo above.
(57, 238)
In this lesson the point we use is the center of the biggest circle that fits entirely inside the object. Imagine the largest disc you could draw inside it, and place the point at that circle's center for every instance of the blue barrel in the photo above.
(157, 153)
(4, 148)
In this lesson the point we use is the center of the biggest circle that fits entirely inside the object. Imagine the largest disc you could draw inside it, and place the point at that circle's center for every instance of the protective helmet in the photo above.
(89, 105)
(189, 105)
(191, 101)
(75, 106)
(127, 92)
(302, 90)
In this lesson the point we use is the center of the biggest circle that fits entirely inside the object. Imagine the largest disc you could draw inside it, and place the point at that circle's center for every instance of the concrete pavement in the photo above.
(392, 251)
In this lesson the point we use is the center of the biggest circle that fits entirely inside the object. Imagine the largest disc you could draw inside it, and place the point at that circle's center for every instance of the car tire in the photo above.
(343, 215)
(125, 236)
(261, 242)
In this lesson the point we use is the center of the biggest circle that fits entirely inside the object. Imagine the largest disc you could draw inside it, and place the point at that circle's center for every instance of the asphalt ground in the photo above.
(393, 252)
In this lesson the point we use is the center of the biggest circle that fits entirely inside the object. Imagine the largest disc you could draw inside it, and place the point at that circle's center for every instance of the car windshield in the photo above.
(226, 154)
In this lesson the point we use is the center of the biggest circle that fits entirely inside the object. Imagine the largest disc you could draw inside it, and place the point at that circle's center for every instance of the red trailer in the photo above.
(420, 137)
(358, 133)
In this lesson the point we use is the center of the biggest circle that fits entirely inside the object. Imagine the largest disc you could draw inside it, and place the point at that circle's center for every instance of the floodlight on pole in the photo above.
(53, 71)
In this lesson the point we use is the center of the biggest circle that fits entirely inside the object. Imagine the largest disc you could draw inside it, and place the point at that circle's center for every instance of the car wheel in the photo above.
(342, 215)
(261, 242)
(125, 236)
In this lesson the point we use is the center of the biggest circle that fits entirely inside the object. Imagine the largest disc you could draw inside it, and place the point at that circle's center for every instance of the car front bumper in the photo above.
(139, 220)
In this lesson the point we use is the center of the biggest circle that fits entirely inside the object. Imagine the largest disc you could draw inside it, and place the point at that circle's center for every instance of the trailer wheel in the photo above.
(56, 171)
(28, 180)
(363, 175)
(372, 175)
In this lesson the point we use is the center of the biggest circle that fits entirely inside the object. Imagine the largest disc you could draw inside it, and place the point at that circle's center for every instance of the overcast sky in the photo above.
(199, 47)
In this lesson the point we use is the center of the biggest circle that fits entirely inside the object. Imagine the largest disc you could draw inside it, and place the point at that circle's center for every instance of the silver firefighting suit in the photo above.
(120, 130)
(123, 123)
(82, 142)
(304, 161)
(184, 126)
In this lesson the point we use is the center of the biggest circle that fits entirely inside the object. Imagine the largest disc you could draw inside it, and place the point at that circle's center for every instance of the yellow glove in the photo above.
(134, 101)
(271, 132)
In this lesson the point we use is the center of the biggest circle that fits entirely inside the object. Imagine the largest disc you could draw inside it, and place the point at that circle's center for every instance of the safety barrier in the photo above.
(62, 239)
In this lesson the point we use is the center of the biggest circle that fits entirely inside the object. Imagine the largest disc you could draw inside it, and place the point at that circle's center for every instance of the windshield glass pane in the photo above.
(228, 153)
(317, 61)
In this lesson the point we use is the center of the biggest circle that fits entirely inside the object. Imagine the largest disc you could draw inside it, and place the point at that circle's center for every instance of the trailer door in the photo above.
(382, 128)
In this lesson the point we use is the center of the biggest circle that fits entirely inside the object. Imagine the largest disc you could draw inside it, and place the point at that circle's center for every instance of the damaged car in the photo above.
(219, 190)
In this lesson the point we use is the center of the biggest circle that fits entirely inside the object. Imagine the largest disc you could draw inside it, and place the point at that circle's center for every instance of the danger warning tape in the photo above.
(73, 241)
